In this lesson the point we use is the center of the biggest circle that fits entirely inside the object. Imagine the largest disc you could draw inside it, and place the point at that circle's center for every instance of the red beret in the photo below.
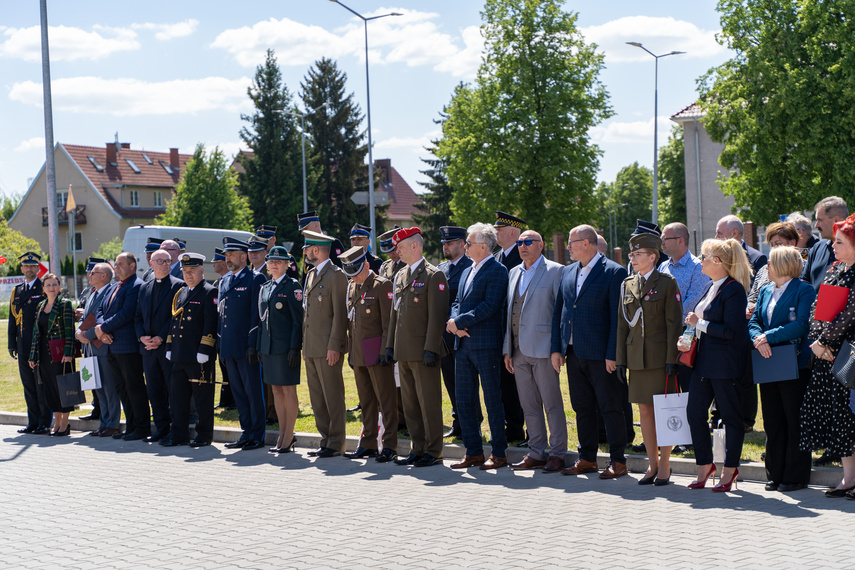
(403, 234)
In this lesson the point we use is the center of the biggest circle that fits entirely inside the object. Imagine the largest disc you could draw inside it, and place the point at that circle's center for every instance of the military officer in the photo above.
(419, 313)
(22, 318)
(190, 347)
(324, 342)
(310, 221)
(280, 336)
(152, 245)
(256, 252)
(237, 330)
(369, 302)
(394, 264)
(649, 324)
(453, 239)
(361, 236)
(268, 233)
(226, 399)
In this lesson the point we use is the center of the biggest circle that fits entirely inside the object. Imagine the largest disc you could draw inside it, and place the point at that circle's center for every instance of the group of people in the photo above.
(500, 320)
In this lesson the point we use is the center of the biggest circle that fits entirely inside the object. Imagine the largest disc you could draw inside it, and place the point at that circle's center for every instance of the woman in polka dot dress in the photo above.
(826, 420)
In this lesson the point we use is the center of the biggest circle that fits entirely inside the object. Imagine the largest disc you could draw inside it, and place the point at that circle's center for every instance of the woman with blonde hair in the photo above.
(719, 319)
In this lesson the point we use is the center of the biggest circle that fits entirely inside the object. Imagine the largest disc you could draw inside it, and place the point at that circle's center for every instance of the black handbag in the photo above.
(844, 366)
(68, 385)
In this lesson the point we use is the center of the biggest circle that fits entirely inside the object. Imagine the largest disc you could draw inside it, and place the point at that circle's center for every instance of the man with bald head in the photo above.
(584, 331)
(731, 227)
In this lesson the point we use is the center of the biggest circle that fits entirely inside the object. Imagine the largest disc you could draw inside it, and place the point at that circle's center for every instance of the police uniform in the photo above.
(649, 325)
(325, 329)
(418, 317)
(23, 307)
(191, 340)
(358, 230)
(368, 308)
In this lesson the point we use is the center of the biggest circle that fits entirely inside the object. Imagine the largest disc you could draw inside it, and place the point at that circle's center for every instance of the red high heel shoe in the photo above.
(703, 482)
(723, 487)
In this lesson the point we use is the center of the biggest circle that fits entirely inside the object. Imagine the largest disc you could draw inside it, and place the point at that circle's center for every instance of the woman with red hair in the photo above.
(826, 420)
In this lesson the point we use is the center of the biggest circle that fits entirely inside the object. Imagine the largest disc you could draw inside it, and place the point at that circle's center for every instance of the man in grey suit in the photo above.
(532, 289)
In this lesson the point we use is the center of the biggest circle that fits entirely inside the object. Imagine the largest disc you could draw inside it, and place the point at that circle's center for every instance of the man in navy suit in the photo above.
(584, 329)
(238, 329)
(476, 320)
(829, 211)
(115, 328)
(452, 239)
(151, 322)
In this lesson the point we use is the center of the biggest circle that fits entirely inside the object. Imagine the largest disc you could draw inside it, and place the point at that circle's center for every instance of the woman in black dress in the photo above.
(826, 420)
(54, 323)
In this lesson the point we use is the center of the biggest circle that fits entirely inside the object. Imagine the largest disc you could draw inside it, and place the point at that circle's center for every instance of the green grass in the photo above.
(12, 400)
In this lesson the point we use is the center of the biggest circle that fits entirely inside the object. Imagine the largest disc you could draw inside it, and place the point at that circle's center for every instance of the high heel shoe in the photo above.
(661, 482)
(62, 433)
(701, 483)
(723, 487)
(288, 448)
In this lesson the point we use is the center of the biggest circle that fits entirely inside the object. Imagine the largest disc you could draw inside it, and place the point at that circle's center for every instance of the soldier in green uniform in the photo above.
(369, 303)
(649, 325)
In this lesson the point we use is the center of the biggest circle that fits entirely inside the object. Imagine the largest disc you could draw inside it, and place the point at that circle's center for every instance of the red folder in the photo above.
(830, 301)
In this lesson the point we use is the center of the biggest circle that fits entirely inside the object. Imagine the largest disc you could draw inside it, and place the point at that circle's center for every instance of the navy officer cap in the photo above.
(256, 244)
(152, 244)
(191, 260)
(452, 233)
(265, 232)
(234, 244)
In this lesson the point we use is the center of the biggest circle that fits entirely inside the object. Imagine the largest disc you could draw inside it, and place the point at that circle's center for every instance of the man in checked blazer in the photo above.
(477, 322)
(584, 329)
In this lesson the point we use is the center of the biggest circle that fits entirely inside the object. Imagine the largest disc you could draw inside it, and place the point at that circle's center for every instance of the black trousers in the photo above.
(590, 385)
(38, 411)
(728, 397)
(782, 402)
(202, 392)
(157, 379)
(127, 371)
(514, 415)
(226, 398)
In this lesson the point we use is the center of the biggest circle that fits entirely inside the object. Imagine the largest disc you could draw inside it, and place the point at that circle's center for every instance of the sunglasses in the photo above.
(704, 256)
(529, 241)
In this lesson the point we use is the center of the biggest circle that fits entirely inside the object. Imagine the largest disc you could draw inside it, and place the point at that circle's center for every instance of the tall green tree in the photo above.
(517, 139)
(436, 200)
(206, 196)
(272, 178)
(784, 104)
(623, 202)
(9, 205)
(672, 179)
(339, 148)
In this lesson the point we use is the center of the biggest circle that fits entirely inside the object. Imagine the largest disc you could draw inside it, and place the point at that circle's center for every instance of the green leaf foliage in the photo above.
(14, 244)
(623, 202)
(436, 201)
(109, 250)
(784, 105)
(672, 179)
(206, 196)
(517, 139)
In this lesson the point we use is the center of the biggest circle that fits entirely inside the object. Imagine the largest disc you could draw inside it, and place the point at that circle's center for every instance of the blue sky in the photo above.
(173, 74)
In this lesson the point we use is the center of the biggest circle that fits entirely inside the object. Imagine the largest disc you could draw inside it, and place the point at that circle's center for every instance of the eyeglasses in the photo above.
(705, 256)
(666, 239)
(170, 249)
(161, 261)
(529, 241)
(467, 243)
(574, 241)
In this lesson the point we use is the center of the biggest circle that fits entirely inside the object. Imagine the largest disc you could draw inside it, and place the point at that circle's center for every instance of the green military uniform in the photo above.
(390, 268)
(419, 314)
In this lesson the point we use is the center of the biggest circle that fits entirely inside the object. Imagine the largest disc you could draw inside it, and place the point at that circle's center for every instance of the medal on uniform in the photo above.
(362, 301)
(320, 298)
(278, 305)
(415, 299)
(367, 311)
(647, 297)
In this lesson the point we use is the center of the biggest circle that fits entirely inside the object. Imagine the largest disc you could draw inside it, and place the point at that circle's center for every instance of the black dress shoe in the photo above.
(315, 452)
(361, 453)
(170, 442)
(427, 460)
(355, 408)
(27, 429)
(408, 460)
(835, 493)
(787, 487)
(327, 452)
(41, 430)
(647, 480)
(640, 448)
(135, 436)
(386, 456)
(90, 417)
(287, 449)
(200, 443)
(253, 444)
(157, 436)
(453, 432)
(772, 486)
(118, 435)
(236, 444)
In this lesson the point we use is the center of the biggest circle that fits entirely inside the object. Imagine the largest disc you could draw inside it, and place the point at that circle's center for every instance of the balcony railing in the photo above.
(79, 216)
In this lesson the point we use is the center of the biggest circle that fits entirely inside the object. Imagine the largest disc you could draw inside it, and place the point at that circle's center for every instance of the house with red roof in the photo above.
(114, 187)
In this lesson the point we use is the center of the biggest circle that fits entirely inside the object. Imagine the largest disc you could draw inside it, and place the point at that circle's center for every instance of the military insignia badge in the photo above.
(278, 305)
(298, 294)
(442, 286)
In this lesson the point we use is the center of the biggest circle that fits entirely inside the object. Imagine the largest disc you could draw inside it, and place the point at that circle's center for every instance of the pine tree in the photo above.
(272, 180)
(436, 202)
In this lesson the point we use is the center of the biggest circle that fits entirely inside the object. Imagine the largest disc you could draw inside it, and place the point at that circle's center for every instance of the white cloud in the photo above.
(67, 44)
(168, 31)
(132, 97)
(31, 144)
(416, 144)
(413, 38)
(659, 35)
(630, 132)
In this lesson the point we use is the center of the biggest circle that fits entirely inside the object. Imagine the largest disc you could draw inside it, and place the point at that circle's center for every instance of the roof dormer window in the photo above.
(133, 166)
(166, 167)
(147, 159)
(94, 162)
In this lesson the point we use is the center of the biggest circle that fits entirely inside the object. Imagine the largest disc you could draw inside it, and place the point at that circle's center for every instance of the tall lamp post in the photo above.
(655, 125)
(303, 137)
(368, 113)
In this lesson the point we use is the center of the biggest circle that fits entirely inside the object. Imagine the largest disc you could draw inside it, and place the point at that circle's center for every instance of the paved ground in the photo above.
(98, 503)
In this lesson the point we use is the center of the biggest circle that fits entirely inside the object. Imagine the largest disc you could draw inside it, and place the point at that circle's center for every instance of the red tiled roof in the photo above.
(693, 111)
(150, 175)
(402, 199)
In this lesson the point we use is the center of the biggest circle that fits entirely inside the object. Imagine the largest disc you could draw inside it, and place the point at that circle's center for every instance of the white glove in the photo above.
(168, 355)
(201, 358)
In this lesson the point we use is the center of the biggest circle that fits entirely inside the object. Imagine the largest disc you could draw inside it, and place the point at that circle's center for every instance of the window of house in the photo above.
(78, 243)
(166, 167)
(133, 166)
(158, 199)
(94, 162)
(61, 199)
(135, 198)
(147, 159)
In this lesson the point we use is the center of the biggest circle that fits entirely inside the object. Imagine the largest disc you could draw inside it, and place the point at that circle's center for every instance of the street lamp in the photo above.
(655, 126)
(303, 137)
(368, 113)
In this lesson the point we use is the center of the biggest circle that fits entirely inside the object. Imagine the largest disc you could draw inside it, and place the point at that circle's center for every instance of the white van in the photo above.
(199, 240)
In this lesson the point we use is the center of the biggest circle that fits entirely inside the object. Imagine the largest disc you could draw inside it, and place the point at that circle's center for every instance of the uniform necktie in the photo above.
(311, 279)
